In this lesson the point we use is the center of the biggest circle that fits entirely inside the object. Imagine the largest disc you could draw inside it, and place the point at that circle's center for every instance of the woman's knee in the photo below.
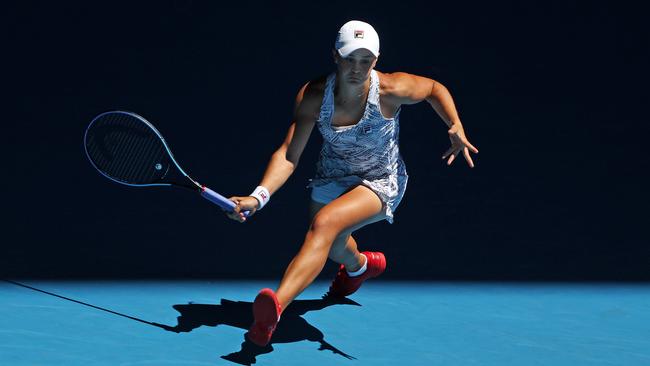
(326, 223)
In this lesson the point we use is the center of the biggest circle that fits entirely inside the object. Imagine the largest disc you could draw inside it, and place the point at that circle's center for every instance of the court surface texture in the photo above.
(385, 323)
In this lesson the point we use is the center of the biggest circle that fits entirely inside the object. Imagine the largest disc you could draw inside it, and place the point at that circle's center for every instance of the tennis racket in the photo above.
(127, 149)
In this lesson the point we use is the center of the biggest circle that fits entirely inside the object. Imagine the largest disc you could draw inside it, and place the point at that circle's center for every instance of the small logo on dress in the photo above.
(358, 34)
(367, 129)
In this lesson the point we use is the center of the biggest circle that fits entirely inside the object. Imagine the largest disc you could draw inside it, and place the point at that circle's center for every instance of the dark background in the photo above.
(554, 95)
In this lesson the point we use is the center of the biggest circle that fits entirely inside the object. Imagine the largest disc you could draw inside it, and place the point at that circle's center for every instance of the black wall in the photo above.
(554, 95)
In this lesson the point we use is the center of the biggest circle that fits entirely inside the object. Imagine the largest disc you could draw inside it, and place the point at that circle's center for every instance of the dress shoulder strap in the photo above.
(328, 98)
(373, 93)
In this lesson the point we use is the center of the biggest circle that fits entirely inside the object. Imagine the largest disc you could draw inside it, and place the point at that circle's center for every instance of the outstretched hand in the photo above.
(459, 143)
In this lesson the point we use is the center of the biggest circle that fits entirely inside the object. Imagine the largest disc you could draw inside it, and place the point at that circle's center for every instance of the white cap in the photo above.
(356, 34)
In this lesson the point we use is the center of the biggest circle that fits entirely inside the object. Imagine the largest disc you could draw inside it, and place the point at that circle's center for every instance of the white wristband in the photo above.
(262, 194)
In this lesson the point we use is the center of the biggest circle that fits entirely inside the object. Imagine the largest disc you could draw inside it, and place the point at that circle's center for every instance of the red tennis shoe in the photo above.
(344, 285)
(266, 311)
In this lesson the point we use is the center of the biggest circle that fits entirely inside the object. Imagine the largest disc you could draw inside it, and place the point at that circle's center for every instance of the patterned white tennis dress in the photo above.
(366, 153)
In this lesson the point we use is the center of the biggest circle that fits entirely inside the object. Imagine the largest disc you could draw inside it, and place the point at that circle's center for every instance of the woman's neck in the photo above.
(350, 92)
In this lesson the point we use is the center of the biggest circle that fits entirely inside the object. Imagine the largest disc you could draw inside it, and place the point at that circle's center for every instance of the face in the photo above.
(355, 69)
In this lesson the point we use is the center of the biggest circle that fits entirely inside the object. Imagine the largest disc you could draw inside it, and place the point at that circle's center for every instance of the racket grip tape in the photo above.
(220, 200)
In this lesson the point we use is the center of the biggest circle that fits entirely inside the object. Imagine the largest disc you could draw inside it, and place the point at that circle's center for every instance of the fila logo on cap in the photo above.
(358, 34)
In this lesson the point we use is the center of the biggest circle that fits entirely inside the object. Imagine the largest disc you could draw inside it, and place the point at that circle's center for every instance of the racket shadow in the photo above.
(292, 327)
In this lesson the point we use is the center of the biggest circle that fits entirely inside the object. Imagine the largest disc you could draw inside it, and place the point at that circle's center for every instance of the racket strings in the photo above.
(126, 149)
(139, 156)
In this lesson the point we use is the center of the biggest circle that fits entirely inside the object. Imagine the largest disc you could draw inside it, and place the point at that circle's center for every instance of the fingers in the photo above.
(452, 157)
(470, 146)
(449, 151)
(237, 216)
(457, 134)
(459, 142)
(453, 153)
(468, 157)
(474, 150)
(236, 213)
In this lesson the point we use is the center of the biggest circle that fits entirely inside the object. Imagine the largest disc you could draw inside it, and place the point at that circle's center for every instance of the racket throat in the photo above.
(177, 178)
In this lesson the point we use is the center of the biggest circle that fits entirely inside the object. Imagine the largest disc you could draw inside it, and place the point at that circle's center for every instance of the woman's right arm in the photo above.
(285, 159)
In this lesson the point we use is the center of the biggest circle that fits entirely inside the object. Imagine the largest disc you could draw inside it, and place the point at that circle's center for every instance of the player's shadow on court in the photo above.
(292, 327)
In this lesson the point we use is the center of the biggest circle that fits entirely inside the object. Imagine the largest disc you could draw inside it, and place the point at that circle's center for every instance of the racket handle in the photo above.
(220, 200)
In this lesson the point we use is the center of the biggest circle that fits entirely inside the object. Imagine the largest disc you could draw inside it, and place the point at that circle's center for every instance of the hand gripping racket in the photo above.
(127, 149)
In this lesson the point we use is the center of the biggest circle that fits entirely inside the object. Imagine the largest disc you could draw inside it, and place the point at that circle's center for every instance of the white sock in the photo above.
(360, 271)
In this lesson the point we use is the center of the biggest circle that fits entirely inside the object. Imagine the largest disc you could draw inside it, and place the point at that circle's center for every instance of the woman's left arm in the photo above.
(410, 89)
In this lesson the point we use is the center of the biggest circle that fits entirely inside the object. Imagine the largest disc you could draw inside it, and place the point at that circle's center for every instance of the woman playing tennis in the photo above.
(360, 175)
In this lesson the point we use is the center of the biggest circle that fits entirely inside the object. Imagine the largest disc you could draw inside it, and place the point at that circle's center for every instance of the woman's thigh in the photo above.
(356, 208)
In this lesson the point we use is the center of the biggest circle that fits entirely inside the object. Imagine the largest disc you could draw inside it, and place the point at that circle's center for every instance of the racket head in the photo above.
(127, 149)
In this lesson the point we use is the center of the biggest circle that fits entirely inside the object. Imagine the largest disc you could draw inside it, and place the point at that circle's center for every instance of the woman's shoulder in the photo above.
(401, 85)
(311, 94)
(315, 88)
(389, 82)
(317, 84)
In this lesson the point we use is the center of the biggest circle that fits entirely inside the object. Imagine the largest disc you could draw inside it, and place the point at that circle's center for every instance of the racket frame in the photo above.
(198, 186)
(205, 192)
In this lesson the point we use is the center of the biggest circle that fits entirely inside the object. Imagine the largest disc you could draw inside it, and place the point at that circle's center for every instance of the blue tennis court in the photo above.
(385, 323)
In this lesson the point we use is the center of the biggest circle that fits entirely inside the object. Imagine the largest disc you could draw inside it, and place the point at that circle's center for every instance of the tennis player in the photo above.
(360, 175)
